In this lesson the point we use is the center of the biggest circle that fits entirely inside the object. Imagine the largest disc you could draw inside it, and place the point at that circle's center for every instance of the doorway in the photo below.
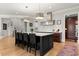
(71, 29)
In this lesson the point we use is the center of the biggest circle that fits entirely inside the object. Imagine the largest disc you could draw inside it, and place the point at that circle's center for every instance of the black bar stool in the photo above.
(33, 42)
(16, 38)
(20, 38)
(26, 40)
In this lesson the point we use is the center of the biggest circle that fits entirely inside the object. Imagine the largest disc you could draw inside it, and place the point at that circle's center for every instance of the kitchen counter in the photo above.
(41, 33)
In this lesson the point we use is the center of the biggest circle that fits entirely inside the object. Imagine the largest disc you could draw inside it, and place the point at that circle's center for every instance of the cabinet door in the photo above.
(57, 37)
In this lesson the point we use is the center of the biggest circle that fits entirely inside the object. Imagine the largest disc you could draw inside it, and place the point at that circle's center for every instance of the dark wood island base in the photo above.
(46, 43)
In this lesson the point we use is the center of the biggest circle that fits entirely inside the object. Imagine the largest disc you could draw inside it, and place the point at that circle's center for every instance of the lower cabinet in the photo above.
(57, 37)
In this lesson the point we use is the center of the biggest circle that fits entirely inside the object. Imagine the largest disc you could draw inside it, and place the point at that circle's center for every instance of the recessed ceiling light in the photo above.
(26, 6)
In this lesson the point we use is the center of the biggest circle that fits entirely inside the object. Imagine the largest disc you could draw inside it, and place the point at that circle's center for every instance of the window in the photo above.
(4, 26)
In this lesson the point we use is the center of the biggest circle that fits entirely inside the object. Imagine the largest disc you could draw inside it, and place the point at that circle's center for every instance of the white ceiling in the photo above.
(19, 8)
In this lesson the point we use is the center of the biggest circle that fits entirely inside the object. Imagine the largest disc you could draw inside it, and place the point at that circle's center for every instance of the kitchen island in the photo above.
(46, 42)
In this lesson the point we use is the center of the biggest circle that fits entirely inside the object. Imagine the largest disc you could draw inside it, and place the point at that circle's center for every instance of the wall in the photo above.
(60, 16)
(18, 24)
(6, 21)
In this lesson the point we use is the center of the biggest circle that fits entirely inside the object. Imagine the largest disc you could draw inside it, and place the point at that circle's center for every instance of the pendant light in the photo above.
(39, 15)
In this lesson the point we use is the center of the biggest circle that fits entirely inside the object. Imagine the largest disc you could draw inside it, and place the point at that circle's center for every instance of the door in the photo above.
(70, 27)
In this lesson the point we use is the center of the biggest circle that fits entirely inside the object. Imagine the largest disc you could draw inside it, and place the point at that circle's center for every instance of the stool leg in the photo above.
(30, 47)
(35, 49)
(27, 47)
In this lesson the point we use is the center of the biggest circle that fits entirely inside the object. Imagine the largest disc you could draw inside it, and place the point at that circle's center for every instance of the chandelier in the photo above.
(39, 15)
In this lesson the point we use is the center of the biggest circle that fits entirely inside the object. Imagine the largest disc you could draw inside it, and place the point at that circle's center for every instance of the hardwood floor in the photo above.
(8, 48)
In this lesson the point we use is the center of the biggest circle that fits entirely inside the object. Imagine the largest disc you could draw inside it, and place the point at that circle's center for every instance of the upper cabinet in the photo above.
(51, 22)
(46, 23)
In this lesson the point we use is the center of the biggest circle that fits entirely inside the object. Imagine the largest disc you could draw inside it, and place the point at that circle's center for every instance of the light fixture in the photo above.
(39, 15)
(26, 6)
(26, 20)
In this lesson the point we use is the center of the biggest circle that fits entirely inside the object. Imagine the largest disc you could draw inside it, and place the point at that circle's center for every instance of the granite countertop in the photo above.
(40, 33)
(43, 34)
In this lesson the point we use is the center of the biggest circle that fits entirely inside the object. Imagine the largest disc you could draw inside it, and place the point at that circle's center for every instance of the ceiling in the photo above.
(32, 8)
